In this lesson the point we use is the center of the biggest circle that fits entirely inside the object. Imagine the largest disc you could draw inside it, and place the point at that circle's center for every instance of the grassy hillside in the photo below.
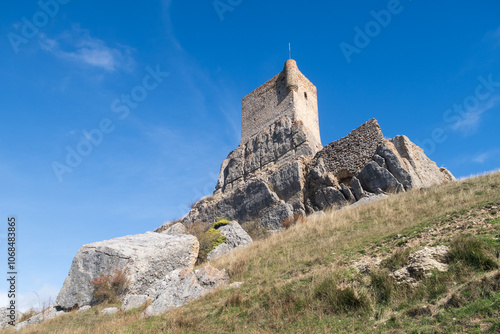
(305, 280)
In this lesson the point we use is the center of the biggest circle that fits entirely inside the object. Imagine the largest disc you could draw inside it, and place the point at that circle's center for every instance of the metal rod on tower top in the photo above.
(289, 51)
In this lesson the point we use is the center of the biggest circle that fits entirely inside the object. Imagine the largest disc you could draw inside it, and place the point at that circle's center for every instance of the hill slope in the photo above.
(307, 278)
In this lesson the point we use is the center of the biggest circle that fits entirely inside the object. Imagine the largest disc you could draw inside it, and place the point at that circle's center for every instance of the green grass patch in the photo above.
(471, 252)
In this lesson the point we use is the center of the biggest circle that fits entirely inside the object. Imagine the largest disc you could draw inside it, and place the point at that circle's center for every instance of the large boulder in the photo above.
(144, 258)
(374, 179)
(329, 197)
(182, 286)
(420, 172)
(357, 189)
(236, 237)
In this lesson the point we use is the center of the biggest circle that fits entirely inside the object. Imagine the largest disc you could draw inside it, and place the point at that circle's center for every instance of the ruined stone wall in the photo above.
(347, 156)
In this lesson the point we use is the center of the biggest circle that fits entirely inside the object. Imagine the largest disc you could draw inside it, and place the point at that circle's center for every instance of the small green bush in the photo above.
(220, 223)
(471, 252)
(107, 288)
(208, 241)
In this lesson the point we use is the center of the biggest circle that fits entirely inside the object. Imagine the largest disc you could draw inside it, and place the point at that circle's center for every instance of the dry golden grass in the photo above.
(282, 273)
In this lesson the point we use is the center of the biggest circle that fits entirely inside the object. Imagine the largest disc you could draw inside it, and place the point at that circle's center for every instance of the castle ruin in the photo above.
(281, 170)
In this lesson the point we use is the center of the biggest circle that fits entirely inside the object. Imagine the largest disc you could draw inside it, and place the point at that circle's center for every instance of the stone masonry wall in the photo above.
(264, 106)
(306, 109)
(347, 156)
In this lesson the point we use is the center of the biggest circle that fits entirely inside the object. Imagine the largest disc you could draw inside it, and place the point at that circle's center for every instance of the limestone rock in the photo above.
(251, 201)
(428, 259)
(329, 197)
(347, 193)
(379, 160)
(276, 145)
(84, 308)
(49, 313)
(369, 198)
(131, 302)
(288, 184)
(5, 317)
(422, 170)
(422, 263)
(144, 258)
(182, 286)
(109, 310)
(210, 278)
(176, 229)
(357, 189)
(319, 176)
(394, 166)
(273, 176)
(236, 237)
(374, 178)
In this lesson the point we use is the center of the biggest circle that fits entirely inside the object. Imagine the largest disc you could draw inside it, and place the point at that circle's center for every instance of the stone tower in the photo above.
(289, 93)
(279, 124)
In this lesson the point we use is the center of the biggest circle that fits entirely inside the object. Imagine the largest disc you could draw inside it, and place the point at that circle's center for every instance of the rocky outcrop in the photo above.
(376, 179)
(275, 146)
(236, 237)
(264, 183)
(144, 258)
(421, 263)
(253, 201)
(329, 197)
(131, 302)
(176, 229)
(412, 167)
(182, 286)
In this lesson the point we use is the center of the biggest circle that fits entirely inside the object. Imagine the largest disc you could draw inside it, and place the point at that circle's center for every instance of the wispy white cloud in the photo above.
(81, 48)
(469, 121)
(483, 157)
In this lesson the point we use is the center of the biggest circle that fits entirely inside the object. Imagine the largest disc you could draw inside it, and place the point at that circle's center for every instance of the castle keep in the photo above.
(288, 94)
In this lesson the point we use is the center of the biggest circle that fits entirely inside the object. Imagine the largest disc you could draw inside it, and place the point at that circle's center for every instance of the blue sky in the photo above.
(150, 94)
